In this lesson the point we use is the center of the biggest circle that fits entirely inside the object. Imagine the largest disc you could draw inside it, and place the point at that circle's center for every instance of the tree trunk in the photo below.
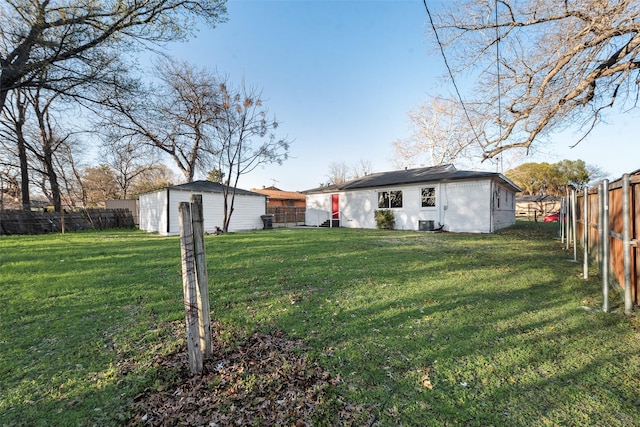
(24, 174)
(22, 154)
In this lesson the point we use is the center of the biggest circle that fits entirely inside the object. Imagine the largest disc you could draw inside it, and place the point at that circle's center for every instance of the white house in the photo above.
(159, 209)
(439, 197)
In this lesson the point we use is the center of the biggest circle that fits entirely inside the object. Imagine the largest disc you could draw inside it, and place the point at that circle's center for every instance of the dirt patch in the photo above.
(256, 379)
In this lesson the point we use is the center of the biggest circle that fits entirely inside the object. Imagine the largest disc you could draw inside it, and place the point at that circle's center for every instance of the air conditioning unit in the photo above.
(425, 225)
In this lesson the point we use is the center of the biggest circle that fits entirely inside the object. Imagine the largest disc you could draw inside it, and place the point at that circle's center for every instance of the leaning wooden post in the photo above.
(189, 288)
(204, 314)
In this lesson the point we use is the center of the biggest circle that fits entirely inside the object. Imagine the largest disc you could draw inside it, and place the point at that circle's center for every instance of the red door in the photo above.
(335, 206)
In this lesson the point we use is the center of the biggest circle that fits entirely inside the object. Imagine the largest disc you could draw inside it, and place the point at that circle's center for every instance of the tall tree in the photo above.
(12, 131)
(441, 134)
(548, 64)
(361, 168)
(71, 36)
(550, 178)
(159, 176)
(100, 183)
(178, 117)
(215, 175)
(245, 139)
(338, 172)
(129, 161)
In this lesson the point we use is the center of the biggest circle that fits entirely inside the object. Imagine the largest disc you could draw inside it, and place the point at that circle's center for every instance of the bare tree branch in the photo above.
(562, 63)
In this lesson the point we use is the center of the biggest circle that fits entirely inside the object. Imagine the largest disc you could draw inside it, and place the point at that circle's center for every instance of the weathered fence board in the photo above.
(32, 222)
(189, 285)
(286, 214)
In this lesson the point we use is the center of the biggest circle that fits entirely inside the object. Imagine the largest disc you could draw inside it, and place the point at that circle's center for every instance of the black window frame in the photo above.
(390, 199)
(426, 198)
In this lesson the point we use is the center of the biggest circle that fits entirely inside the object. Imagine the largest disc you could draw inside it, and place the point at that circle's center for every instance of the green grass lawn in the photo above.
(420, 328)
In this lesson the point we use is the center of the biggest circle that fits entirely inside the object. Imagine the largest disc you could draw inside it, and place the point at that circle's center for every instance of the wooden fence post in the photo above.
(204, 314)
(189, 288)
(585, 234)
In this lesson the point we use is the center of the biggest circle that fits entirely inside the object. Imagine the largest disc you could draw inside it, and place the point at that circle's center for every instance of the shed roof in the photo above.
(442, 173)
(210, 187)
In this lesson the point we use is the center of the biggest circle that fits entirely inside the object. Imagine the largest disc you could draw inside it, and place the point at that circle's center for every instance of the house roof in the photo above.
(442, 173)
(210, 187)
(276, 193)
(536, 198)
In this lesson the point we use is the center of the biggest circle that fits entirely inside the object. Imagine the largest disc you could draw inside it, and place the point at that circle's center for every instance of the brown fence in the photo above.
(284, 215)
(29, 222)
(604, 216)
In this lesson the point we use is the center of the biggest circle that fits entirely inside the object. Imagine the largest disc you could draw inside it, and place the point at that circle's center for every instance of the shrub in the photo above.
(385, 219)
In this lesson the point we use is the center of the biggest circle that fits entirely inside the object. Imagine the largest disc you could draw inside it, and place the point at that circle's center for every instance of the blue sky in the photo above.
(341, 76)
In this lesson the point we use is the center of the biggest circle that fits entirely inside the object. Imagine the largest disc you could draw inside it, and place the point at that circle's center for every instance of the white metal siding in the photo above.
(153, 211)
(466, 206)
(504, 213)
(461, 206)
(246, 213)
(318, 209)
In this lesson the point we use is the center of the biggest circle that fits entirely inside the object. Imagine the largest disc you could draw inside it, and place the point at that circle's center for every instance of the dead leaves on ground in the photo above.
(425, 380)
(260, 379)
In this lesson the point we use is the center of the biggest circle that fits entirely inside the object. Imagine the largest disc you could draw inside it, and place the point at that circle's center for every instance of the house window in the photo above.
(389, 199)
(428, 197)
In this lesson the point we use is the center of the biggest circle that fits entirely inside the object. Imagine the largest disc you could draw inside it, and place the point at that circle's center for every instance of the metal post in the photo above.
(561, 220)
(599, 232)
(561, 217)
(626, 244)
(574, 224)
(605, 245)
(568, 218)
(585, 234)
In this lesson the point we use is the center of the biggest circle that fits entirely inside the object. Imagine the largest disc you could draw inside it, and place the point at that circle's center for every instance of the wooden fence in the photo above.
(284, 215)
(31, 222)
(607, 226)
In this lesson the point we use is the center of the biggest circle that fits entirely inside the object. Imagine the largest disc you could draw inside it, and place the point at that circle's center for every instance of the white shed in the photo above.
(439, 197)
(159, 209)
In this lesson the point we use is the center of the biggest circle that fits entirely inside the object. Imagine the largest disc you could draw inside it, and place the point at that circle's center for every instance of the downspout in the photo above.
(168, 211)
(492, 204)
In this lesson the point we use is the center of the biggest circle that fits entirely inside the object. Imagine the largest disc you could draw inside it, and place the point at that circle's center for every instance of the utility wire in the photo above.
(453, 80)
(499, 165)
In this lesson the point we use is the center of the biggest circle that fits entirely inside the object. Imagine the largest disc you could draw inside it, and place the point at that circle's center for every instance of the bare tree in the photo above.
(156, 177)
(338, 172)
(361, 168)
(14, 141)
(178, 117)
(441, 134)
(72, 37)
(245, 139)
(543, 64)
(130, 161)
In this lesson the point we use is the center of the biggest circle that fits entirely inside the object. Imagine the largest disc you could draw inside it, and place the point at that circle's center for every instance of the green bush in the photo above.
(385, 219)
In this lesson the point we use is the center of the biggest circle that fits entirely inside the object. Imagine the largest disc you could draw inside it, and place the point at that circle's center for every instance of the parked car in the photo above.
(552, 217)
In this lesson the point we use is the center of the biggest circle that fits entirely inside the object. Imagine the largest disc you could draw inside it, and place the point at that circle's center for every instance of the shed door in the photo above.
(335, 206)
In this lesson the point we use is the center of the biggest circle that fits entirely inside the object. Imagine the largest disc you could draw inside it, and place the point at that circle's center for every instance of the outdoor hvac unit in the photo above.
(425, 225)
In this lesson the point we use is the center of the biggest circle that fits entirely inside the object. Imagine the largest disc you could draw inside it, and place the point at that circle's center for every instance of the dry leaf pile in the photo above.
(260, 379)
